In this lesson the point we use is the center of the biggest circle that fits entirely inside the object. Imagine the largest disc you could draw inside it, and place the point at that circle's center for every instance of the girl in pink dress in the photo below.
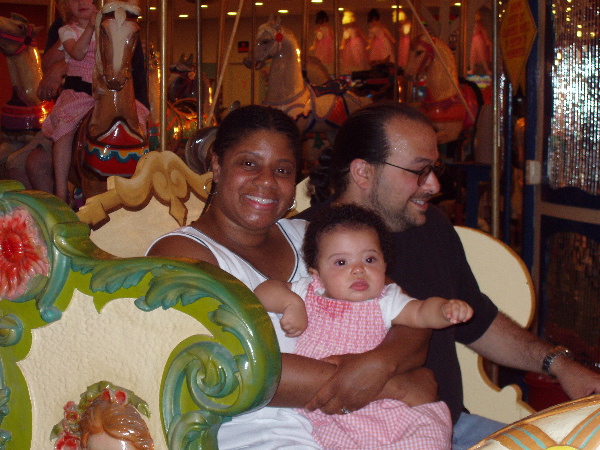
(323, 43)
(381, 41)
(75, 100)
(349, 309)
(353, 50)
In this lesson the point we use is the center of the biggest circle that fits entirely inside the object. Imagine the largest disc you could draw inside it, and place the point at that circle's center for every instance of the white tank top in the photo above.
(230, 262)
(268, 428)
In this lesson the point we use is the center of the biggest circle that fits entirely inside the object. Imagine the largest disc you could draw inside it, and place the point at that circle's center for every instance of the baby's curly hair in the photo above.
(350, 216)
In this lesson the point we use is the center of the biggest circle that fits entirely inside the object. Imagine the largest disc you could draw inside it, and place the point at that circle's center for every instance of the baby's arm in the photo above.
(277, 297)
(77, 49)
(434, 312)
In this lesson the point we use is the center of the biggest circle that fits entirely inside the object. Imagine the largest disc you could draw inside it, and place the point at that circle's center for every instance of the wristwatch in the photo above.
(552, 355)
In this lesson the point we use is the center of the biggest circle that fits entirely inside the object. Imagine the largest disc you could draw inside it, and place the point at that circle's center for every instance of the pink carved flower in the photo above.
(23, 254)
(67, 442)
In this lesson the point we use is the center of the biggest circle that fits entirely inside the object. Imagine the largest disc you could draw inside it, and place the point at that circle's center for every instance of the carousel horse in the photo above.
(443, 104)
(110, 139)
(182, 115)
(23, 114)
(314, 108)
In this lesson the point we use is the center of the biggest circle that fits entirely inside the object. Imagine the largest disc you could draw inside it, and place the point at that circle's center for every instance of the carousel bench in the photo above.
(186, 346)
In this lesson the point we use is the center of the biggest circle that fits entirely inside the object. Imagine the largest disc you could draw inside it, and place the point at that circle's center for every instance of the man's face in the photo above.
(395, 193)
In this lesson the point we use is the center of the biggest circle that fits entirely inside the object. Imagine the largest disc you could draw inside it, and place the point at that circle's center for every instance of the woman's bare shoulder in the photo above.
(176, 246)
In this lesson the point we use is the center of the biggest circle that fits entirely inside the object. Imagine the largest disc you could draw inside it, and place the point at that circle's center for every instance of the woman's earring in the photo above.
(293, 205)
(208, 191)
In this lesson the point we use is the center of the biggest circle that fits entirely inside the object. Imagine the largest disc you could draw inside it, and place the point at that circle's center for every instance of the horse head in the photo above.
(16, 34)
(270, 38)
(117, 32)
(421, 56)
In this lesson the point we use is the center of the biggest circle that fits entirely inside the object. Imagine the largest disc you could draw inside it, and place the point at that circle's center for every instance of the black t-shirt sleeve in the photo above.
(53, 33)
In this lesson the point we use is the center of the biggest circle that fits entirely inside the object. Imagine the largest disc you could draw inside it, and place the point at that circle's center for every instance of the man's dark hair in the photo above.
(349, 216)
(362, 136)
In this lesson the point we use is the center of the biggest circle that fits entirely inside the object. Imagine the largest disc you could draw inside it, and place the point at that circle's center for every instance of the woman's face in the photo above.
(256, 179)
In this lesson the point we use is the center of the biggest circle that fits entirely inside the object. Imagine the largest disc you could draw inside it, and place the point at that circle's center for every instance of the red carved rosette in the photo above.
(23, 253)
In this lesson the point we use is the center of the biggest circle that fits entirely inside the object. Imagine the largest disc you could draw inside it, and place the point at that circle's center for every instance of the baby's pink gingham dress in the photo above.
(338, 327)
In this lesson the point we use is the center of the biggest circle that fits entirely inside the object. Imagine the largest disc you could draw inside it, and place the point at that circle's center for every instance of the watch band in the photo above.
(552, 355)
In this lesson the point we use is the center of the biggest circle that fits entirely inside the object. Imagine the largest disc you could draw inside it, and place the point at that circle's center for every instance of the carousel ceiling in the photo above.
(262, 8)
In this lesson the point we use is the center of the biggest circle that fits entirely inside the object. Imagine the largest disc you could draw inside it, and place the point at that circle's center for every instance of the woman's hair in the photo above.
(349, 216)
(242, 122)
(322, 17)
(362, 136)
(122, 422)
(373, 15)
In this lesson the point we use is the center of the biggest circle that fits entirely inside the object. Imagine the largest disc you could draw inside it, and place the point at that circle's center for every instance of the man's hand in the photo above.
(51, 81)
(576, 380)
(413, 388)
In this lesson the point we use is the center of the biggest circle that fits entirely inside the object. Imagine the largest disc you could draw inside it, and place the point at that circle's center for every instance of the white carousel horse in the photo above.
(23, 114)
(315, 109)
(110, 139)
(443, 103)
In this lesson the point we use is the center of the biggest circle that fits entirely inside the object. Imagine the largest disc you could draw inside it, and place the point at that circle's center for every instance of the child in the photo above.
(75, 100)
(381, 42)
(323, 42)
(350, 310)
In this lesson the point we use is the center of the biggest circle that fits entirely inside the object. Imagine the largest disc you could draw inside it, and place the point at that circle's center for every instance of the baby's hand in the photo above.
(457, 311)
(294, 320)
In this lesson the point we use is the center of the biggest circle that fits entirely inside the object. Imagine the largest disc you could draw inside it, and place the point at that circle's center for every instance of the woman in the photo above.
(256, 154)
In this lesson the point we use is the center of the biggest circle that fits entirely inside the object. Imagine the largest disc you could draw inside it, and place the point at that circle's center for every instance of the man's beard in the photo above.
(396, 218)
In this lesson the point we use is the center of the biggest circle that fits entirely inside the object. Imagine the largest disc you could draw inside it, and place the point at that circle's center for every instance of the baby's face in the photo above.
(350, 264)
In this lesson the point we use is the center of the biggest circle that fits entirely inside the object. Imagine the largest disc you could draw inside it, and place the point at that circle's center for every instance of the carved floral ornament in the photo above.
(23, 253)
(106, 409)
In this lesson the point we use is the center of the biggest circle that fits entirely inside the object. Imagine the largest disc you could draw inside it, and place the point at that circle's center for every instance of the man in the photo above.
(385, 157)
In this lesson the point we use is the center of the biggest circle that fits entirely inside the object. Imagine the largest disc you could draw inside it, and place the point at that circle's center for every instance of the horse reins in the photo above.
(429, 56)
(25, 41)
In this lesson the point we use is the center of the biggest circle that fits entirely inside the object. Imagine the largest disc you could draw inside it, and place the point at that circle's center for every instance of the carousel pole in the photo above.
(163, 71)
(253, 53)
(51, 13)
(495, 225)
(199, 74)
(221, 37)
(336, 41)
(397, 50)
(225, 61)
(305, 34)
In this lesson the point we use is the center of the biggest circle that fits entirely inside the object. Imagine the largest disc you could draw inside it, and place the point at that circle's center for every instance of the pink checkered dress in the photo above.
(339, 327)
(72, 106)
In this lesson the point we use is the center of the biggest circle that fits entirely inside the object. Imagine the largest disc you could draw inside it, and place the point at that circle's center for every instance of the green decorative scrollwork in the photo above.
(11, 330)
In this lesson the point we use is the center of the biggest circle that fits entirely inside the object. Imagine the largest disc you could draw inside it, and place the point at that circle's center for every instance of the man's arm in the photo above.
(54, 68)
(508, 344)
(360, 378)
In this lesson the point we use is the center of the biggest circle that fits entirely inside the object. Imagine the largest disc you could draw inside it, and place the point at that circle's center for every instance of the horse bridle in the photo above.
(25, 41)
(429, 55)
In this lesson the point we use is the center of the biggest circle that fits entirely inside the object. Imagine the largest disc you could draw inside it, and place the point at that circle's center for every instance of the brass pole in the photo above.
(51, 13)
(336, 41)
(163, 77)
(199, 73)
(495, 225)
(305, 35)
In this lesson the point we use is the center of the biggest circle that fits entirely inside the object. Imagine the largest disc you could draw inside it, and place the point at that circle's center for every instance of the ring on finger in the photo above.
(345, 411)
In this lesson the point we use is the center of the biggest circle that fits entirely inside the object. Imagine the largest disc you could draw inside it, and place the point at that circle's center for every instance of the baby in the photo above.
(347, 308)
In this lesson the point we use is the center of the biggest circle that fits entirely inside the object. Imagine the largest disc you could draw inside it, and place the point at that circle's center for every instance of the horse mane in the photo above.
(114, 7)
(447, 55)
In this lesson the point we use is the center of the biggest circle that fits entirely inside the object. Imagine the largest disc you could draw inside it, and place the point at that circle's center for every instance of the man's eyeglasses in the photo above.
(437, 168)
